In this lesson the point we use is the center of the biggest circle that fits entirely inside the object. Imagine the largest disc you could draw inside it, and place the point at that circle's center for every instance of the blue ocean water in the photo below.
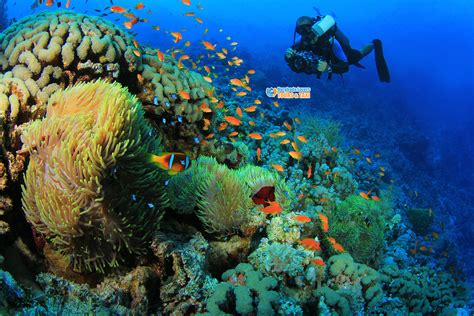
(422, 122)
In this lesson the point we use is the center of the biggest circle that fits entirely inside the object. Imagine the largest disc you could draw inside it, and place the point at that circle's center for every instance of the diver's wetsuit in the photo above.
(333, 47)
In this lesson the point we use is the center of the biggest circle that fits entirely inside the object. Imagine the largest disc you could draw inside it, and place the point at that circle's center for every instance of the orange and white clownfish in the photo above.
(173, 162)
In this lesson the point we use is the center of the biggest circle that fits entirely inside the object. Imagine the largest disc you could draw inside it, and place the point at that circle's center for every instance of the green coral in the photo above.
(89, 189)
(244, 292)
(359, 226)
(222, 197)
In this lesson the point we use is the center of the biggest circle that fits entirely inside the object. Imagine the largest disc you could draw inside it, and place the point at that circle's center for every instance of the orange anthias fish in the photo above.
(115, 9)
(222, 126)
(49, 3)
(139, 6)
(251, 108)
(318, 262)
(310, 244)
(236, 82)
(177, 36)
(208, 45)
(288, 126)
(241, 94)
(296, 155)
(161, 56)
(68, 4)
(185, 95)
(302, 219)
(302, 139)
(255, 136)
(325, 221)
(278, 168)
(238, 111)
(186, 2)
(259, 154)
(375, 198)
(233, 120)
(173, 162)
(364, 195)
(310, 171)
(284, 142)
(273, 208)
(338, 247)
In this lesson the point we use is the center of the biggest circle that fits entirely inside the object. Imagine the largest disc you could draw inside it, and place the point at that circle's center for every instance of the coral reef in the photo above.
(350, 286)
(367, 221)
(44, 52)
(223, 196)
(422, 289)
(89, 191)
(251, 293)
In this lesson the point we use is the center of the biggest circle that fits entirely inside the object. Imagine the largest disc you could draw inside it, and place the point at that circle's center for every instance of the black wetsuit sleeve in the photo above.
(339, 67)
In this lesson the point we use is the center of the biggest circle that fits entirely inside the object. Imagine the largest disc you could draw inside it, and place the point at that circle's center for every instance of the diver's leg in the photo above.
(367, 49)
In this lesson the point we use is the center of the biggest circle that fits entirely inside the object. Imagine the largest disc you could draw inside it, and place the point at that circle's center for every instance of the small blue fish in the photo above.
(174, 96)
(150, 205)
(180, 119)
(167, 182)
(134, 198)
(155, 100)
(167, 104)
(164, 121)
(196, 140)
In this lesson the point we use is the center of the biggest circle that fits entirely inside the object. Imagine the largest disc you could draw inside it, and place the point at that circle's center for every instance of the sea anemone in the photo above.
(88, 188)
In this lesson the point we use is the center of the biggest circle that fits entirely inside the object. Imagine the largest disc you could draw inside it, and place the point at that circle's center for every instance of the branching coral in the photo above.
(88, 188)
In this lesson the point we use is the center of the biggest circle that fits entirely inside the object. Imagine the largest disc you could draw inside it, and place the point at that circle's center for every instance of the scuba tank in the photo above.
(323, 25)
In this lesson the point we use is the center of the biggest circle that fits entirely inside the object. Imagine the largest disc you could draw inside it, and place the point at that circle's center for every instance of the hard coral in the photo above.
(88, 187)
(351, 286)
(244, 292)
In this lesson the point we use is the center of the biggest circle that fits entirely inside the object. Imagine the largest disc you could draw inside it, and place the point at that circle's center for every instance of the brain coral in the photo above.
(88, 188)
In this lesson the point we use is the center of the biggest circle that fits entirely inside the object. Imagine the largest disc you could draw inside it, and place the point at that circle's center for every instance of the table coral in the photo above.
(89, 189)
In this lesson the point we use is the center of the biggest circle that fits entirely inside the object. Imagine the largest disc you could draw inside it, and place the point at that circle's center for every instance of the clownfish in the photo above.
(173, 162)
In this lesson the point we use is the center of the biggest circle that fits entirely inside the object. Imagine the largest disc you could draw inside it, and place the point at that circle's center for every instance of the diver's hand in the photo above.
(323, 66)
(289, 53)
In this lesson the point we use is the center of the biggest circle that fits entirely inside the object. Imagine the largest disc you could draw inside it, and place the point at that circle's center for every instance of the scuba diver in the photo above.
(322, 47)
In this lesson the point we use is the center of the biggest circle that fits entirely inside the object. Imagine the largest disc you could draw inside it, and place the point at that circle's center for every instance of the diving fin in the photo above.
(382, 68)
